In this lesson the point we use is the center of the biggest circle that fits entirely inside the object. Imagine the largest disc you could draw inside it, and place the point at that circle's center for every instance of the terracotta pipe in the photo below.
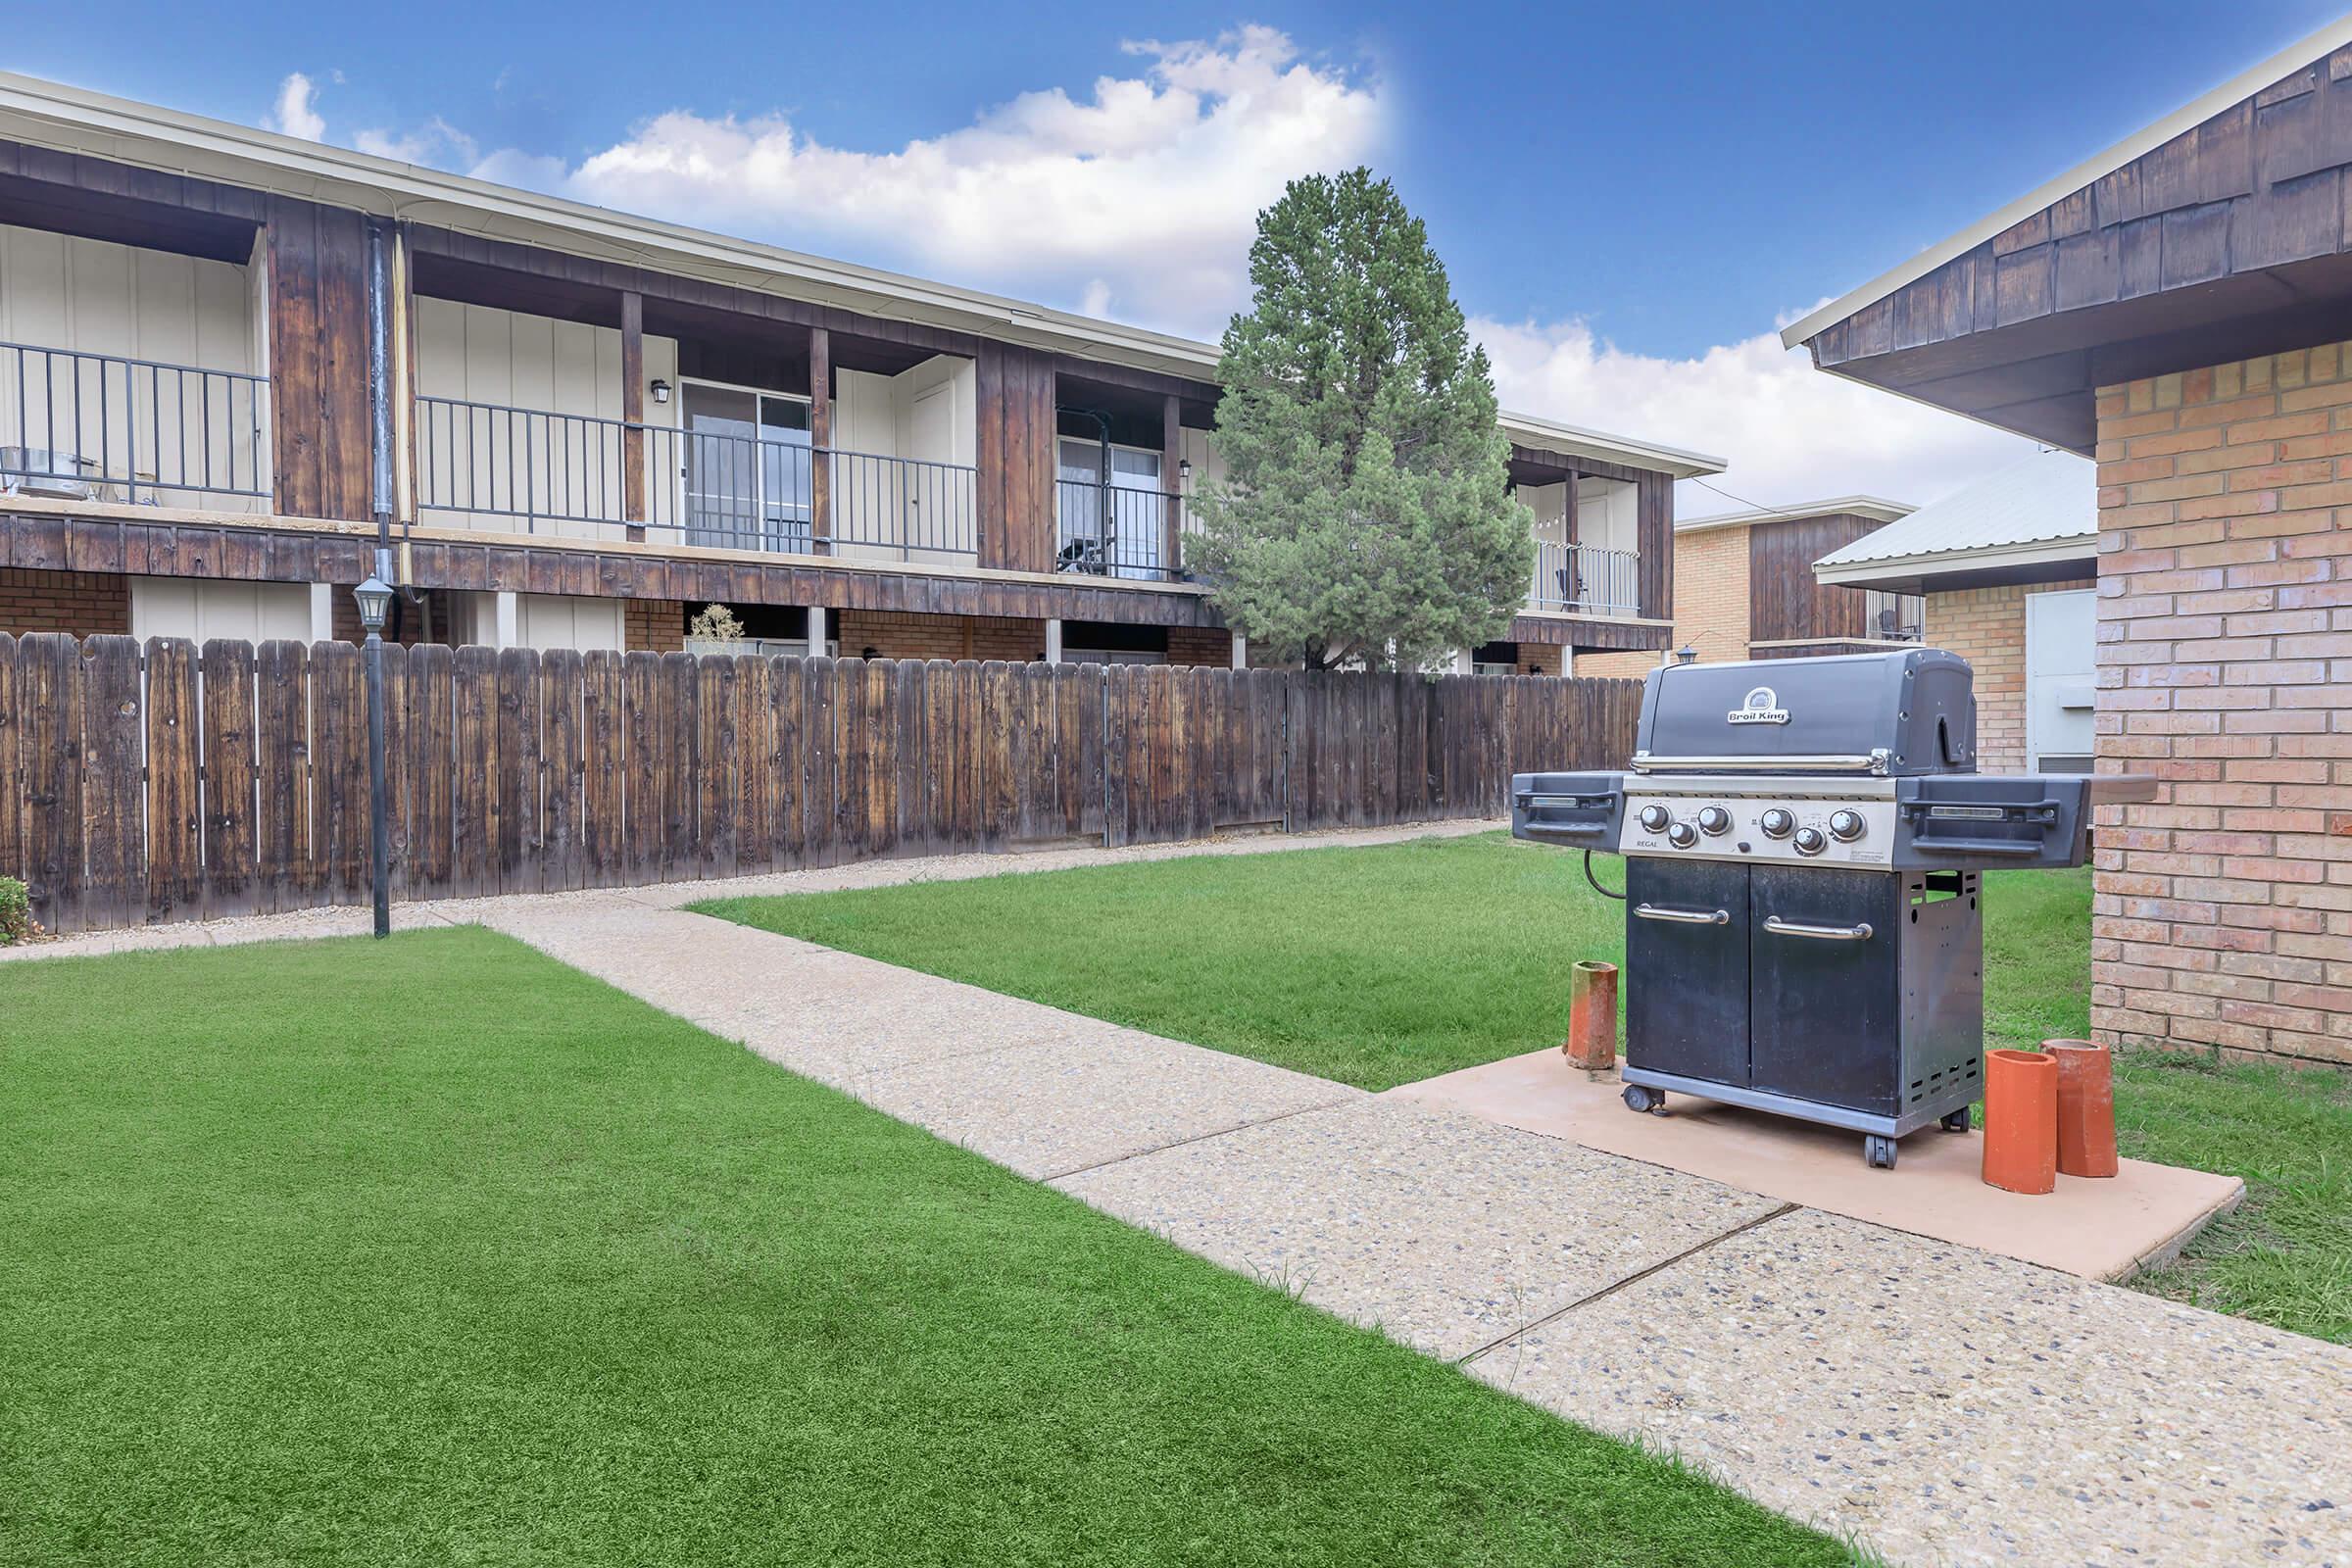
(2021, 1120)
(1591, 1042)
(2085, 1107)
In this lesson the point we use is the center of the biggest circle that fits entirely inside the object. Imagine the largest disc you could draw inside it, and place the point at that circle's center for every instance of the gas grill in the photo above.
(1804, 843)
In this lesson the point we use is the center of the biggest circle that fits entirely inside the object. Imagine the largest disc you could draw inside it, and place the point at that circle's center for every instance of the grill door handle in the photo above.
(1565, 830)
(1650, 911)
(1857, 932)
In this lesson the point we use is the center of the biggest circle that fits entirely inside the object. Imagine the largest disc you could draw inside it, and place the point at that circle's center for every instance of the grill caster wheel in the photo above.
(1878, 1153)
(1955, 1121)
(1643, 1099)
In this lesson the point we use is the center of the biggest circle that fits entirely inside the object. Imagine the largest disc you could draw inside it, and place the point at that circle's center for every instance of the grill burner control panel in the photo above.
(1786, 829)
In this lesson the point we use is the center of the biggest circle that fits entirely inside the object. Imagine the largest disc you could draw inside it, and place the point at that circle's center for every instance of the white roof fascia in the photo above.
(1876, 508)
(2319, 45)
(1945, 563)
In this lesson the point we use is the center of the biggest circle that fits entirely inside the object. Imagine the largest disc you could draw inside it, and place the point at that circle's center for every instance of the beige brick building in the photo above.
(2177, 309)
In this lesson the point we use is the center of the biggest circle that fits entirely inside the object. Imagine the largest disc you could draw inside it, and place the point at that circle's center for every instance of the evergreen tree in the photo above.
(1364, 512)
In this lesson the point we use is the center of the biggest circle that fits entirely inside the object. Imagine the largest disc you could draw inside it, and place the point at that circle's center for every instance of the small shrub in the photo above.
(16, 912)
(717, 624)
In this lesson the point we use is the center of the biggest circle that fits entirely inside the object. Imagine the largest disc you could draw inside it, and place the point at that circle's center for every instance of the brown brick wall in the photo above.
(655, 626)
(2225, 910)
(905, 634)
(1200, 645)
(82, 603)
(1710, 603)
(1986, 626)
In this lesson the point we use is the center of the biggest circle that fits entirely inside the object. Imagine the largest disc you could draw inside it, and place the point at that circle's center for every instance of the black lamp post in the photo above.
(376, 599)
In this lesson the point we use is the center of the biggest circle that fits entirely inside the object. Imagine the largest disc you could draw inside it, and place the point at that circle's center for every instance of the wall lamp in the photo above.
(661, 390)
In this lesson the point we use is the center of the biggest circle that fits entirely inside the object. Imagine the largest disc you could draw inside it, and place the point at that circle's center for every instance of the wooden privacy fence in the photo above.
(176, 782)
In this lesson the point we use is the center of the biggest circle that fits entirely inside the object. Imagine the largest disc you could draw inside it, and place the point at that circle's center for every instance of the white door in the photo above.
(2061, 680)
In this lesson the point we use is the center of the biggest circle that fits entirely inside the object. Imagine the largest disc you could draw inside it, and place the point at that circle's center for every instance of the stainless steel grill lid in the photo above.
(1902, 712)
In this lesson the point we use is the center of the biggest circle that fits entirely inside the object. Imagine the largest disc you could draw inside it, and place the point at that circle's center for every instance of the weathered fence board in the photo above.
(170, 782)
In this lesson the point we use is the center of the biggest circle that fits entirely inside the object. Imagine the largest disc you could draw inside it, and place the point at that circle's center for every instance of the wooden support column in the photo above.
(632, 411)
(820, 432)
(1172, 469)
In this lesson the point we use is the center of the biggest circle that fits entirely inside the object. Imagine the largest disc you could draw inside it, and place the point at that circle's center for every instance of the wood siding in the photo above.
(1785, 601)
(2248, 210)
(1018, 531)
(319, 361)
(514, 771)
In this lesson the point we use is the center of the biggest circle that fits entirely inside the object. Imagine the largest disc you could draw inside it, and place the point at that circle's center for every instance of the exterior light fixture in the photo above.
(374, 596)
(1685, 655)
(1183, 468)
(661, 390)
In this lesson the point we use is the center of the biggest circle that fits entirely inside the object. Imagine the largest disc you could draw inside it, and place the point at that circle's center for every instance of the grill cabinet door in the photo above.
(1686, 1007)
(1826, 1015)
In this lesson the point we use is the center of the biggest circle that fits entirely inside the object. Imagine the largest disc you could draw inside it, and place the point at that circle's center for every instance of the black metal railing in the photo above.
(1109, 530)
(82, 427)
(1585, 579)
(713, 490)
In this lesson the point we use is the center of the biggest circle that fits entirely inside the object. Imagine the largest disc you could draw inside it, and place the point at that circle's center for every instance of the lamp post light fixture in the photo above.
(1685, 655)
(374, 598)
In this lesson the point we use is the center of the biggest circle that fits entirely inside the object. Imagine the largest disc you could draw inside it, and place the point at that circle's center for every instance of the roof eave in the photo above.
(2318, 45)
(1947, 562)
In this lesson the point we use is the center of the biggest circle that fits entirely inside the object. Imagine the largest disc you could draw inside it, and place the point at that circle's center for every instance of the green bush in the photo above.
(16, 912)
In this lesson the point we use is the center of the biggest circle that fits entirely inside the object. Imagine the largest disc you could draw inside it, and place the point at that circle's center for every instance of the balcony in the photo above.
(1111, 530)
(484, 465)
(82, 426)
(1586, 580)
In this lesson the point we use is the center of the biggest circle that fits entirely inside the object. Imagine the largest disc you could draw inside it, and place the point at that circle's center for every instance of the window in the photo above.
(1893, 616)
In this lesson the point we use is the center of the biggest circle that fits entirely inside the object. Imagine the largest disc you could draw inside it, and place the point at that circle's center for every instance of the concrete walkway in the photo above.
(1938, 1403)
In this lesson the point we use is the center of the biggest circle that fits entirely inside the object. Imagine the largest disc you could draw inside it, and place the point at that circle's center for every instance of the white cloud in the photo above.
(436, 142)
(293, 113)
(1142, 195)
(1791, 432)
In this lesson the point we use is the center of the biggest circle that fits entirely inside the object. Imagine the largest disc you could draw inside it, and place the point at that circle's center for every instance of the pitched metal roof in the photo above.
(75, 119)
(2043, 507)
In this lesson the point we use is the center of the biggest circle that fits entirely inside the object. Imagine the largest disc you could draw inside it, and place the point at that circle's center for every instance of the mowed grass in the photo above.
(432, 1252)
(1380, 965)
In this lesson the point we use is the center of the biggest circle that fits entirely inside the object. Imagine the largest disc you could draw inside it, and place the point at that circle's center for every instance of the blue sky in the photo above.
(1629, 197)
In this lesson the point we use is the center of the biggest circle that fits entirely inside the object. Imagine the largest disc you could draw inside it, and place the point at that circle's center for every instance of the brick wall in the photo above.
(82, 604)
(1710, 603)
(655, 626)
(1986, 626)
(2225, 912)
(908, 634)
(1200, 645)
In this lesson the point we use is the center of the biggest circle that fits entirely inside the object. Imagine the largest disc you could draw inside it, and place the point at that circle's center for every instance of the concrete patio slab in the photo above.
(1099, 1095)
(1442, 1231)
(2103, 1229)
(1950, 1407)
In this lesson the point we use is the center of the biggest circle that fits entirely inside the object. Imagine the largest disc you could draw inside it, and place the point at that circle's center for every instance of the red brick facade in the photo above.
(655, 626)
(2225, 912)
(82, 603)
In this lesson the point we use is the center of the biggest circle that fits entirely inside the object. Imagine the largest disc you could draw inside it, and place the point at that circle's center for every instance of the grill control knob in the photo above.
(1682, 835)
(1809, 841)
(1777, 823)
(1845, 826)
(1654, 818)
(1714, 819)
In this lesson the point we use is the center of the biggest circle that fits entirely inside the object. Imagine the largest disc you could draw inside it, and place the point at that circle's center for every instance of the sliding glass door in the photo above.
(747, 468)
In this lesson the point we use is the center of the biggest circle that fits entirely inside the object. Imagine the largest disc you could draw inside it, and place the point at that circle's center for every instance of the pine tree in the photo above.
(1365, 513)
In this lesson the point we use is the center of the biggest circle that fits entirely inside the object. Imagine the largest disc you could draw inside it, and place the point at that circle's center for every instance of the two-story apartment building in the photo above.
(594, 425)
(1747, 588)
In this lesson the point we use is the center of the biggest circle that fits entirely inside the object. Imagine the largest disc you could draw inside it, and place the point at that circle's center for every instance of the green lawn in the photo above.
(1377, 966)
(432, 1252)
